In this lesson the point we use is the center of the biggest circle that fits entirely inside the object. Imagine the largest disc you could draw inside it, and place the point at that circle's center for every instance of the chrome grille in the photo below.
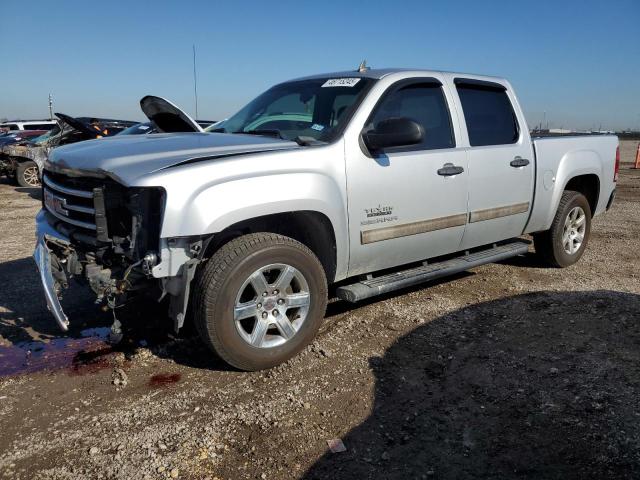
(76, 201)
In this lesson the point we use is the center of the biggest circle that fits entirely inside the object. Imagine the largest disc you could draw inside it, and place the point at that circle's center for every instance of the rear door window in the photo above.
(488, 114)
(425, 104)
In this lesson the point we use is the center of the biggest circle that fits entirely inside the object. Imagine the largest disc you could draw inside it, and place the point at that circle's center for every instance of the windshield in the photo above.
(44, 137)
(318, 109)
(40, 138)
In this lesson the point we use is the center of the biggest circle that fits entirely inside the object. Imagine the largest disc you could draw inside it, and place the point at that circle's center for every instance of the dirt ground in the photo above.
(509, 371)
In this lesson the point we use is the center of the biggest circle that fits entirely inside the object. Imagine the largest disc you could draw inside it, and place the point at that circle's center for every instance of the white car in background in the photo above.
(28, 125)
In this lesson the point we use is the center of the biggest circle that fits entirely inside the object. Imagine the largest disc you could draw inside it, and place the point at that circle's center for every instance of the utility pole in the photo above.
(195, 80)
(50, 107)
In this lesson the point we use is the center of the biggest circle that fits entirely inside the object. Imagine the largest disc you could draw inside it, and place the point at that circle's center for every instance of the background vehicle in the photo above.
(11, 155)
(369, 181)
(206, 123)
(139, 129)
(24, 160)
(150, 127)
(28, 125)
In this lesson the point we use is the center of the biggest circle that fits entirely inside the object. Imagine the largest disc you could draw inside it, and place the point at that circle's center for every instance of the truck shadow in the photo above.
(23, 310)
(191, 352)
(543, 385)
(33, 192)
(26, 325)
(29, 338)
(528, 260)
(31, 341)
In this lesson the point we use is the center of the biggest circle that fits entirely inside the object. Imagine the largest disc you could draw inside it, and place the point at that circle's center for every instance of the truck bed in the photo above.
(558, 157)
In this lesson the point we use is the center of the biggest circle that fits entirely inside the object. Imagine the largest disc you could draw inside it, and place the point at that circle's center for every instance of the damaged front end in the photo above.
(106, 235)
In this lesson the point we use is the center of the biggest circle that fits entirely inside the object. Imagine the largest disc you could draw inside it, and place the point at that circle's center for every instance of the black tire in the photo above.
(549, 244)
(221, 278)
(27, 173)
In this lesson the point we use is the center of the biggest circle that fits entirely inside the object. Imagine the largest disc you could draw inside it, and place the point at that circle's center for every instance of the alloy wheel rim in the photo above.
(31, 177)
(271, 305)
(574, 230)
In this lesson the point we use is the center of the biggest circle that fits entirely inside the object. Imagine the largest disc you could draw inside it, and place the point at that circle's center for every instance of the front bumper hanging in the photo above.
(42, 257)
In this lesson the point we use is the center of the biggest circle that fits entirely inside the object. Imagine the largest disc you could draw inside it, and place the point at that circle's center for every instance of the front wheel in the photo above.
(27, 174)
(565, 242)
(259, 300)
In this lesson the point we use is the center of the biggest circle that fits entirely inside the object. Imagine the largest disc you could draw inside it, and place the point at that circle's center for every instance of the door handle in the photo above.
(449, 169)
(519, 162)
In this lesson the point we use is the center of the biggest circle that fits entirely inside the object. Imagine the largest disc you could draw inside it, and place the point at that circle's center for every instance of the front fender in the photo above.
(213, 208)
(265, 195)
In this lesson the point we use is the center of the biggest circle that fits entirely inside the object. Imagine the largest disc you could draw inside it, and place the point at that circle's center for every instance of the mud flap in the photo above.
(179, 288)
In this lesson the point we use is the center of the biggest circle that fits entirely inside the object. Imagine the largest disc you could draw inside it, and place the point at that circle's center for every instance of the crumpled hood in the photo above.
(127, 158)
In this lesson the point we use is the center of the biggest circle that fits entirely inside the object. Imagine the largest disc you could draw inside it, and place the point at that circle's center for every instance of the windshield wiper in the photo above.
(265, 132)
(307, 141)
(300, 139)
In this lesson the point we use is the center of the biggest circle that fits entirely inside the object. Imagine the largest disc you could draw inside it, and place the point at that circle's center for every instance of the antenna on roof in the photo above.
(195, 80)
(363, 66)
(50, 107)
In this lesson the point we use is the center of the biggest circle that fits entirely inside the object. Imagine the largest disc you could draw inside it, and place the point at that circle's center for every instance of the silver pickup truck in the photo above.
(354, 183)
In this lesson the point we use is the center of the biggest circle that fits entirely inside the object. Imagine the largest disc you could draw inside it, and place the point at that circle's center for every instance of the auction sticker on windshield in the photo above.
(340, 82)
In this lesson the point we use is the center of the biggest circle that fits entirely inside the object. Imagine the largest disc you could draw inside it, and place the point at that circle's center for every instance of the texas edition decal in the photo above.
(379, 214)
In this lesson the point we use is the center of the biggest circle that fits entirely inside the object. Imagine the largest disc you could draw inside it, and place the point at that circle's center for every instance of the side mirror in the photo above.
(393, 132)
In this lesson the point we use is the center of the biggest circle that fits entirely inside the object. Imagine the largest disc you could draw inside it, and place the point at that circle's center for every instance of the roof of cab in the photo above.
(378, 73)
(28, 121)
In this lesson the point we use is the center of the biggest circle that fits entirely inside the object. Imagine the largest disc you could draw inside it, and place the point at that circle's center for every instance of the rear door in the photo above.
(500, 161)
(403, 206)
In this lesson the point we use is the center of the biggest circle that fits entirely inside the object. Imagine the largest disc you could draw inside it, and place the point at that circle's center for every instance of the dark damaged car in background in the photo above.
(11, 137)
(23, 160)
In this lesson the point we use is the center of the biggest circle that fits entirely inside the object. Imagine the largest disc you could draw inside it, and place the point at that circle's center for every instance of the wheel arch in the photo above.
(588, 185)
(16, 160)
(311, 228)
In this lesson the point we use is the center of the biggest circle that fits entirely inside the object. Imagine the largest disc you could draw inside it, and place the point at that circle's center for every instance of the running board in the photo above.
(413, 276)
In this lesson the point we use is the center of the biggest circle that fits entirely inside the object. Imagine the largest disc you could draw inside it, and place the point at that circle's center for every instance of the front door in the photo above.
(405, 204)
(501, 164)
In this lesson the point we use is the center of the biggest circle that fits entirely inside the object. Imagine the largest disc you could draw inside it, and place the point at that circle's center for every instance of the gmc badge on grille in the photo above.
(55, 204)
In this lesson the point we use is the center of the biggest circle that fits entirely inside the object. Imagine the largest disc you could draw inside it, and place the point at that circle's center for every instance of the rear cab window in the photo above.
(488, 113)
(39, 126)
(422, 101)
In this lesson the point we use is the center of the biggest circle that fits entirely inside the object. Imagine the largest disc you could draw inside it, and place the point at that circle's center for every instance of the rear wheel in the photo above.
(564, 243)
(259, 300)
(27, 174)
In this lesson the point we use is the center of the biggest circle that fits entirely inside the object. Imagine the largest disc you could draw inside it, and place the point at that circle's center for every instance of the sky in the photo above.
(578, 61)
